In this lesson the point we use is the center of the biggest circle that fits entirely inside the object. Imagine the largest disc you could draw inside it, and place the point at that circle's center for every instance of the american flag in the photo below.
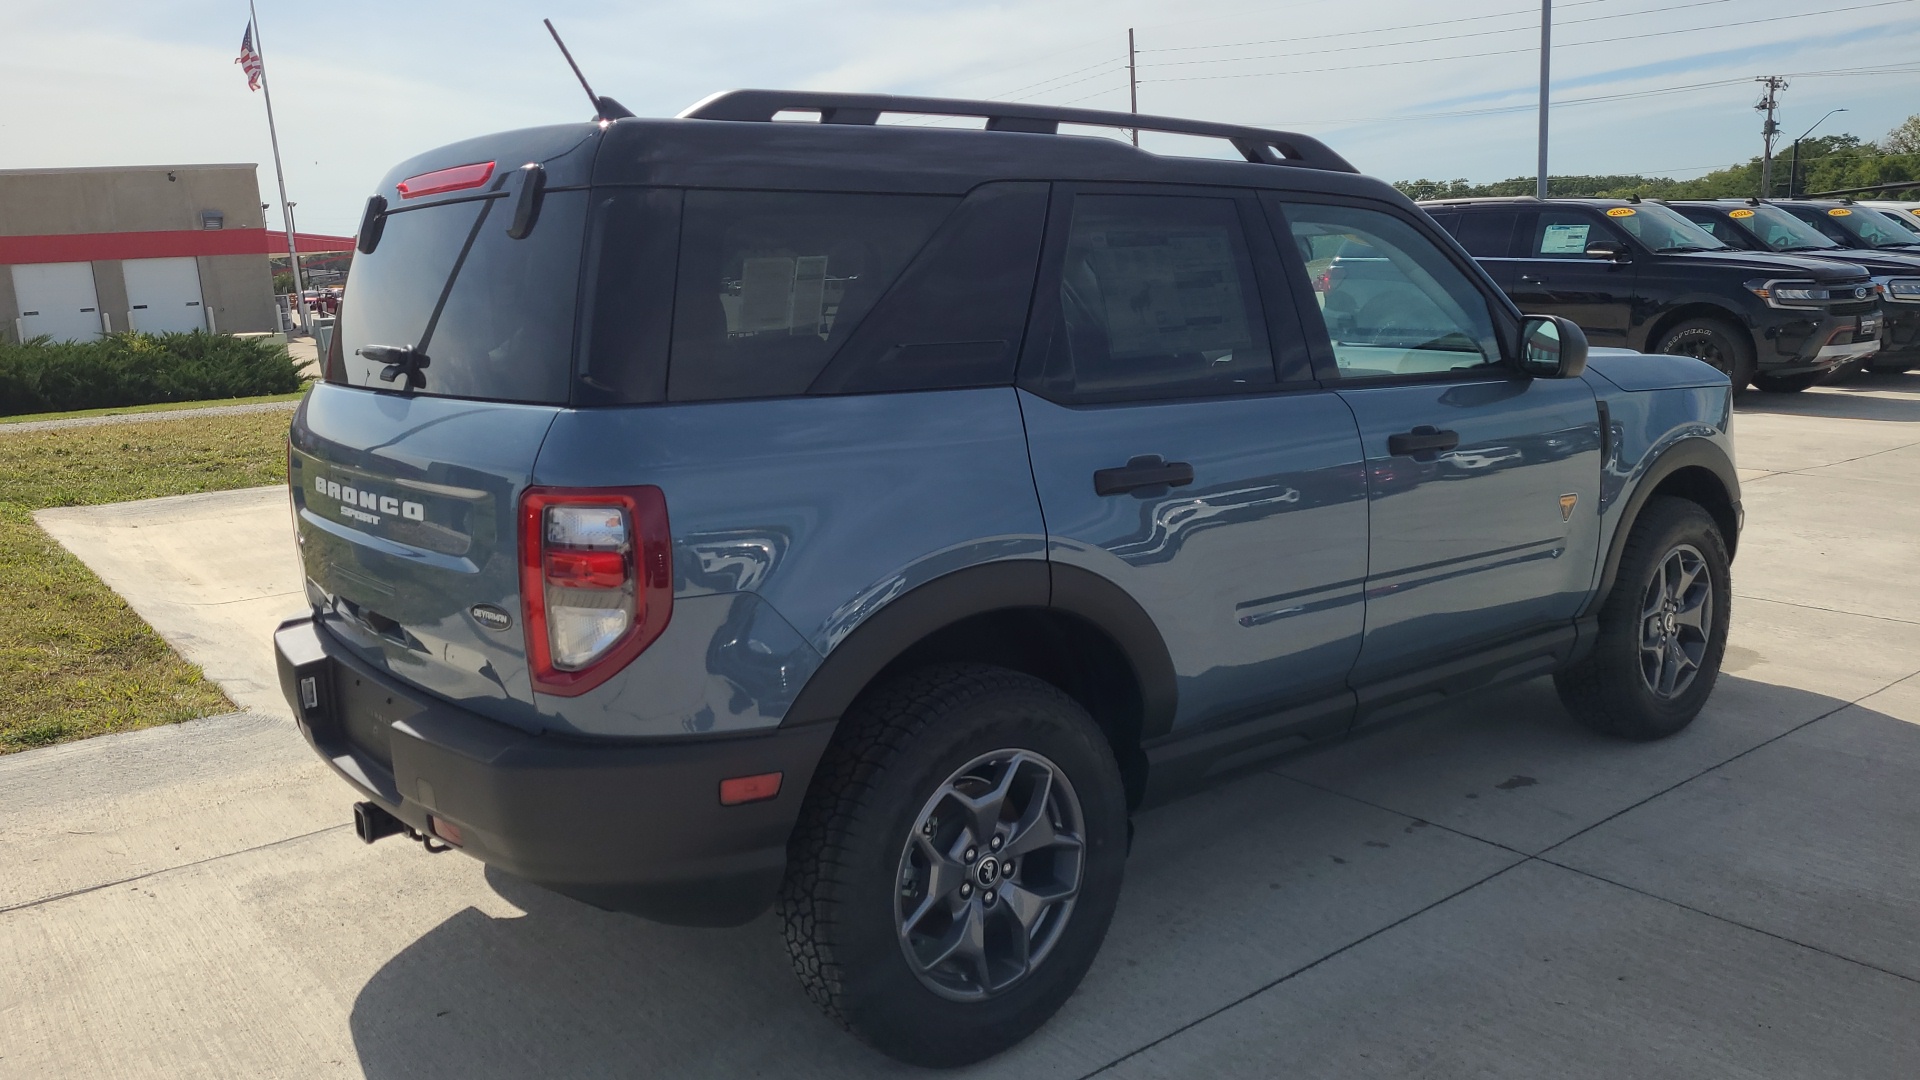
(249, 60)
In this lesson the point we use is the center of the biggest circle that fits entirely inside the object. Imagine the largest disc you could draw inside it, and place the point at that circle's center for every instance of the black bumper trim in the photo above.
(624, 826)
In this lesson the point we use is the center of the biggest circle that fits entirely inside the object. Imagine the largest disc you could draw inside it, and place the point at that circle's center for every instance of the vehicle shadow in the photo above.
(568, 991)
(1865, 396)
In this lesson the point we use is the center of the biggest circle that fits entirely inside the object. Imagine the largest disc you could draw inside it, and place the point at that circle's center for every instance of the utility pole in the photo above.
(1133, 85)
(1546, 57)
(1768, 130)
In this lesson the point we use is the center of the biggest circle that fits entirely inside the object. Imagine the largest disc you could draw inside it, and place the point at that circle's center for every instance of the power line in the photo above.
(1510, 52)
(1428, 40)
(1378, 30)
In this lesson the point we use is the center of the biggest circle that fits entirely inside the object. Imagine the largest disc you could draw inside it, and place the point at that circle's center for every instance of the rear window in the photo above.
(772, 284)
(496, 325)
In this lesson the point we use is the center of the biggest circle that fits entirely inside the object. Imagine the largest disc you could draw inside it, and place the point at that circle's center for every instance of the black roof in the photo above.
(731, 140)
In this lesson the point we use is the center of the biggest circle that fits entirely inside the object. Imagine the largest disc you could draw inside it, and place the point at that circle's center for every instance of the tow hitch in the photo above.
(372, 822)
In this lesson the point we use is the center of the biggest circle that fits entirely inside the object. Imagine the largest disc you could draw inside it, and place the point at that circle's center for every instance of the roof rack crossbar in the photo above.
(1255, 144)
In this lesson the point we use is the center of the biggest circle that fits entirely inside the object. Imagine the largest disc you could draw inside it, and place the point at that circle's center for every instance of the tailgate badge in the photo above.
(490, 617)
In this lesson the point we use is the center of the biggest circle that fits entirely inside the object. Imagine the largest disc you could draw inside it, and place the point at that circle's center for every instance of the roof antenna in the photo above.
(605, 108)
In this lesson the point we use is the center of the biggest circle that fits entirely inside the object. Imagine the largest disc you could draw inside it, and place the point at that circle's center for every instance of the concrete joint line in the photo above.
(1831, 611)
(25, 904)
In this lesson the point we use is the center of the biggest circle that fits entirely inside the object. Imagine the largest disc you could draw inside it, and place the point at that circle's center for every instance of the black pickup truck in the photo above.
(1638, 275)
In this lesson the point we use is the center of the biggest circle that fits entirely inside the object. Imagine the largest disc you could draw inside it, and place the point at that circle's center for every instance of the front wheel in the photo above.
(1786, 384)
(1715, 342)
(1663, 628)
(956, 863)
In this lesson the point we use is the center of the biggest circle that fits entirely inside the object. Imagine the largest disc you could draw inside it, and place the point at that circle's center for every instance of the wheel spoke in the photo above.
(1694, 617)
(1019, 938)
(984, 810)
(965, 943)
(1034, 830)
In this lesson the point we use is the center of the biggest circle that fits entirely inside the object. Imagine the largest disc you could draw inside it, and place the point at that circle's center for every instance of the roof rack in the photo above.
(1257, 145)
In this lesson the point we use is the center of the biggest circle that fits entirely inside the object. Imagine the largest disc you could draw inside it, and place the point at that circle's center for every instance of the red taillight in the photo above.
(457, 178)
(596, 581)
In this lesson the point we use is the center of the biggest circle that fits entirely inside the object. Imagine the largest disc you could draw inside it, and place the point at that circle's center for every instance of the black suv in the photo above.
(1639, 276)
(1752, 225)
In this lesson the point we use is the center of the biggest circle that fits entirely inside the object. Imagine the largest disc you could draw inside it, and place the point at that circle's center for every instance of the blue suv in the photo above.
(708, 514)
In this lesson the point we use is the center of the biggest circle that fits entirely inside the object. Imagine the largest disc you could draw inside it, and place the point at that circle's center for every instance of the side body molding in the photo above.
(1686, 453)
(1008, 585)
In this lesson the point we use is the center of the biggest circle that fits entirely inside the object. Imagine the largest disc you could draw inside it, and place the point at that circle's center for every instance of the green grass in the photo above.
(165, 406)
(75, 661)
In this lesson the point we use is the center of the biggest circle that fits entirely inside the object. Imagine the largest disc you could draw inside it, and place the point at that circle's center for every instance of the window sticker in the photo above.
(1169, 291)
(1621, 211)
(1743, 214)
(1839, 211)
(1564, 240)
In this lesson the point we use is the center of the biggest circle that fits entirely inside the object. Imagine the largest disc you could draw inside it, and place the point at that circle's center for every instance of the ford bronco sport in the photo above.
(707, 514)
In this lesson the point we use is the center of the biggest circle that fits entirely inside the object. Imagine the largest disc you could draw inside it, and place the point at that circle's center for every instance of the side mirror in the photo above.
(1611, 250)
(1552, 347)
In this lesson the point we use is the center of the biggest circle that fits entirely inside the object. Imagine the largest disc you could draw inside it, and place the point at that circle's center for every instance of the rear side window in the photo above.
(771, 284)
(1157, 298)
(496, 324)
(1486, 234)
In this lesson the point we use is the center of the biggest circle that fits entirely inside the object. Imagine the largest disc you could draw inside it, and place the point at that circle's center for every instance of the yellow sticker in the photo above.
(1839, 211)
(1621, 211)
(1740, 213)
(1916, 212)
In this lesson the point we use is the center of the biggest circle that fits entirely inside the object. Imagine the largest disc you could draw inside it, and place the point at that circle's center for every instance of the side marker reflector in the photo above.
(748, 789)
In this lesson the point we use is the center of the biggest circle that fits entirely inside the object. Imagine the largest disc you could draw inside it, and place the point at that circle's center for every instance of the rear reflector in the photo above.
(746, 789)
(457, 178)
(444, 829)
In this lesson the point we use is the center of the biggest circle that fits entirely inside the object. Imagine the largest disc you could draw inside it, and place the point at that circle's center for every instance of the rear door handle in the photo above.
(1145, 471)
(1531, 279)
(1425, 439)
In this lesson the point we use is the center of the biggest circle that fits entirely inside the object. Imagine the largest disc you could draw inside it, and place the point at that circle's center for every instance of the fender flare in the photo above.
(979, 590)
(1689, 452)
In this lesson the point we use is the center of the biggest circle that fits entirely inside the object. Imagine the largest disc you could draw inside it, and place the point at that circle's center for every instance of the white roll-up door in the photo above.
(163, 295)
(57, 300)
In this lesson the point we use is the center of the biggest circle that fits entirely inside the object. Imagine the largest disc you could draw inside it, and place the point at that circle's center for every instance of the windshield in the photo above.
(1779, 230)
(501, 319)
(1870, 227)
(1903, 218)
(1663, 229)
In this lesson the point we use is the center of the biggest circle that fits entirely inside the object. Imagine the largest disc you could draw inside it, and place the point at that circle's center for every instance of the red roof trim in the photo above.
(89, 247)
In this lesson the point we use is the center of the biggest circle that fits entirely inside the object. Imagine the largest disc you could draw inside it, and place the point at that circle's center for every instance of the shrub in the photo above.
(140, 369)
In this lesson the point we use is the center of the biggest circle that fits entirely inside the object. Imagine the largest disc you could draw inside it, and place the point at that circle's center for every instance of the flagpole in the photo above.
(280, 175)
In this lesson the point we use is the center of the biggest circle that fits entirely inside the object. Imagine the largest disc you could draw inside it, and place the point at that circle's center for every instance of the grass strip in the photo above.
(165, 406)
(75, 661)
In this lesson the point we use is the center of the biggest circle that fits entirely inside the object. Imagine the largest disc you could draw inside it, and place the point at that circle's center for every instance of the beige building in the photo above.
(156, 248)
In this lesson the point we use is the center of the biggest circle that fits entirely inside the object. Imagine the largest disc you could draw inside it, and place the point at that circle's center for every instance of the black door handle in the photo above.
(1140, 472)
(1424, 439)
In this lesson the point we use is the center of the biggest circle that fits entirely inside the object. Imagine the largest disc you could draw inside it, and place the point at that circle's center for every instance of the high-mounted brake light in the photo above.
(596, 582)
(457, 178)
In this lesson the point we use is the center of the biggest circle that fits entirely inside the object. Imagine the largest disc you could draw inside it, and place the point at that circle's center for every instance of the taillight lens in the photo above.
(596, 581)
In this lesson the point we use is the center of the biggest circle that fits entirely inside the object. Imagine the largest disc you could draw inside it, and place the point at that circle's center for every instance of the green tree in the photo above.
(1903, 139)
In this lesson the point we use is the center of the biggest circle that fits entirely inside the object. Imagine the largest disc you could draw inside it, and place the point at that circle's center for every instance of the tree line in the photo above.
(1827, 163)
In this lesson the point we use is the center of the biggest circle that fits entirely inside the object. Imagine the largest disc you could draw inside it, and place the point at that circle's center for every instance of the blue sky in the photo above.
(359, 85)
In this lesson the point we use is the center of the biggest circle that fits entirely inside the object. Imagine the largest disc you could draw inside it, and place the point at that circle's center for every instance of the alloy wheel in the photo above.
(1676, 622)
(989, 874)
(1705, 348)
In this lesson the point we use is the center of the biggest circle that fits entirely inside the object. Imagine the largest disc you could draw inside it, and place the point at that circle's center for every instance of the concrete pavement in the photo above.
(1491, 891)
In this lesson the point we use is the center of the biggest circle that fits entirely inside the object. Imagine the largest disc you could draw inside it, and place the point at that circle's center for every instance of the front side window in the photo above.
(771, 284)
(1157, 298)
(1564, 233)
(1392, 301)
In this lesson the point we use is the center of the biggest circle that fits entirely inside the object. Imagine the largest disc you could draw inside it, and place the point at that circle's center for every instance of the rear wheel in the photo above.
(956, 863)
(1718, 343)
(1663, 628)
(1786, 384)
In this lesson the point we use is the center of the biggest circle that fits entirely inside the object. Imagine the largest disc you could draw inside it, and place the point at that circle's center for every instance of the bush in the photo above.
(140, 369)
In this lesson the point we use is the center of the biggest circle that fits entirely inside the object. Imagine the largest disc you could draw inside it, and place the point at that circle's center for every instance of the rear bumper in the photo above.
(624, 826)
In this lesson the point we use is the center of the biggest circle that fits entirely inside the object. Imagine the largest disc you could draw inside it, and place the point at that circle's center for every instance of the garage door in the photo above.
(163, 295)
(57, 300)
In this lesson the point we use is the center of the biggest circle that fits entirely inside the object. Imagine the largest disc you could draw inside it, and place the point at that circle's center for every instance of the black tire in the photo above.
(1611, 690)
(1722, 344)
(877, 790)
(1786, 384)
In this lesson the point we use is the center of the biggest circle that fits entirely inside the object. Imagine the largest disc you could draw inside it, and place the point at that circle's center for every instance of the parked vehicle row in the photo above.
(707, 514)
(1769, 294)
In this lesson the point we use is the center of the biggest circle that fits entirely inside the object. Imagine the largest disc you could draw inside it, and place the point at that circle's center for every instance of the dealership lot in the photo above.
(1492, 891)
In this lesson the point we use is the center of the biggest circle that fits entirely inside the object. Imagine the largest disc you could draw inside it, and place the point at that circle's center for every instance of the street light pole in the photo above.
(1793, 171)
(1546, 56)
